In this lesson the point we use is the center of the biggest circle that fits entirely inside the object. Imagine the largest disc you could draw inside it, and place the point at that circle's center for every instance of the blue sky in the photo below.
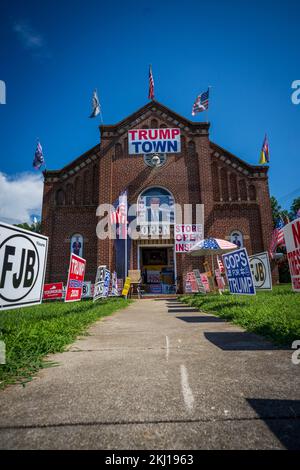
(54, 53)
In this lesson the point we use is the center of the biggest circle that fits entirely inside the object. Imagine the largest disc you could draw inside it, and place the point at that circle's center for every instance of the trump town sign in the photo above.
(143, 141)
(23, 256)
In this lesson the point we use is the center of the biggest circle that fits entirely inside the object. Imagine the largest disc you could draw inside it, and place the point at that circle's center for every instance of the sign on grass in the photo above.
(292, 240)
(238, 272)
(23, 257)
(86, 290)
(261, 271)
(53, 291)
(102, 282)
(75, 279)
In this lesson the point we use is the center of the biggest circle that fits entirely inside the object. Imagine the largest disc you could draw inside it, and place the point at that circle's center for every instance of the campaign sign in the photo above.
(292, 240)
(86, 290)
(53, 291)
(191, 279)
(201, 287)
(114, 284)
(188, 287)
(101, 286)
(186, 235)
(75, 278)
(261, 271)
(205, 281)
(219, 280)
(23, 257)
(238, 272)
(143, 141)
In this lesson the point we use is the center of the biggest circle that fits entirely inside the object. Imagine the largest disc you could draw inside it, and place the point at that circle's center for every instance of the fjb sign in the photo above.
(75, 278)
(141, 141)
(23, 257)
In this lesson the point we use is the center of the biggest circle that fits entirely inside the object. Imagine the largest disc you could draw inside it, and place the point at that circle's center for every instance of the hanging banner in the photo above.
(143, 141)
(261, 271)
(23, 257)
(53, 291)
(75, 278)
(292, 240)
(238, 272)
(186, 235)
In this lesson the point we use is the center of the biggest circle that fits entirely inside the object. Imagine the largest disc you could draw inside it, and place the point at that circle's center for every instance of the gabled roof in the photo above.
(153, 107)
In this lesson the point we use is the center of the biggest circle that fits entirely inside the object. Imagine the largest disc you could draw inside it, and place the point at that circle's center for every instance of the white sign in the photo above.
(23, 257)
(143, 141)
(186, 235)
(86, 290)
(261, 271)
(292, 240)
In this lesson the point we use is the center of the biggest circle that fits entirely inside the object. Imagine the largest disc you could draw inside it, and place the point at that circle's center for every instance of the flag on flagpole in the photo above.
(38, 160)
(265, 152)
(151, 84)
(95, 105)
(277, 237)
(201, 103)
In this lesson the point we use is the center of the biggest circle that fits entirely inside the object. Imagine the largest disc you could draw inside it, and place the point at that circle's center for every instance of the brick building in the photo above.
(235, 195)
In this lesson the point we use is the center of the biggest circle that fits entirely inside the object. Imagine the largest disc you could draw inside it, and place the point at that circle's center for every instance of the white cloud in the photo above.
(20, 197)
(29, 38)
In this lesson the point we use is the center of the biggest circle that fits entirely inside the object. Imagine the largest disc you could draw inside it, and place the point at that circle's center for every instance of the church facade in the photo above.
(235, 196)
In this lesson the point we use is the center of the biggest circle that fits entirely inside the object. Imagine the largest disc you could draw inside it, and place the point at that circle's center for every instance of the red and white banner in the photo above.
(143, 141)
(75, 278)
(292, 240)
(53, 291)
(191, 279)
(205, 282)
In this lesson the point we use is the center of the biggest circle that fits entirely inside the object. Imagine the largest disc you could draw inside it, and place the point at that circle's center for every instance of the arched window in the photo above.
(243, 190)
(155, 205)
(237, 238)
(215, 181)
(154, 124)
(224, 184)
(252, 192)
(60, 197)
(69, 194)
(76, 245)
(233, 187)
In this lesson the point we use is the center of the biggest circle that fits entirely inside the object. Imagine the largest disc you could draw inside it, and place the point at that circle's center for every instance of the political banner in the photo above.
(292, 240)
(53, 291)
(114, 285)
(186, 235)
(261, 271)
(238, 272)
(191, 279)
(201, 287)
(126, 286)
(205, 281)
(75, 278)
(143, 141)
(102, 280)
(23, 258)
(86, 290)
(188, 287)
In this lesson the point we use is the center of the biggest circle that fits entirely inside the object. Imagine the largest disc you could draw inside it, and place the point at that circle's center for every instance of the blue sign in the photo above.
(238, 272)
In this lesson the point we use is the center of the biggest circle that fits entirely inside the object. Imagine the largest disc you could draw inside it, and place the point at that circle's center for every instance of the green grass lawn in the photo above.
(273, 314)
(33, 332)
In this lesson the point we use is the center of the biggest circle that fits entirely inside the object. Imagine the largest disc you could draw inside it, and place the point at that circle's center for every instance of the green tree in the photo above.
(34, 227)
(295, 207)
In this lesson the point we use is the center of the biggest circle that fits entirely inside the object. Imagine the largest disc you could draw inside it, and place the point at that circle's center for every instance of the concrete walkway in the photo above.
(159, 375)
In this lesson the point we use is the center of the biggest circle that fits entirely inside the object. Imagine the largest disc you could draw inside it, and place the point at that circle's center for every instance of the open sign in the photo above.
(23, 256)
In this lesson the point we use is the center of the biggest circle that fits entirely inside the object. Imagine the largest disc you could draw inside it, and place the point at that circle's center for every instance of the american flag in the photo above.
(277, 237)
(201, 103)
(38, 157)
(151, 84)
(119, 214)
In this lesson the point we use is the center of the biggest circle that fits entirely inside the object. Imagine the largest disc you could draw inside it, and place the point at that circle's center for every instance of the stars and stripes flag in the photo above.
(38, 160)
(118, 216)
(151, 84)
(201, 103)
(96, 108)
(265, 152)
(277, 237)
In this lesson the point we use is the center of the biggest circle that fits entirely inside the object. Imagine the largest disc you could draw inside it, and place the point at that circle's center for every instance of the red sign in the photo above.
(292, 240)
(219, 279)
(53, 291)
(191, 279)
(75, 278)
(205, 282)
